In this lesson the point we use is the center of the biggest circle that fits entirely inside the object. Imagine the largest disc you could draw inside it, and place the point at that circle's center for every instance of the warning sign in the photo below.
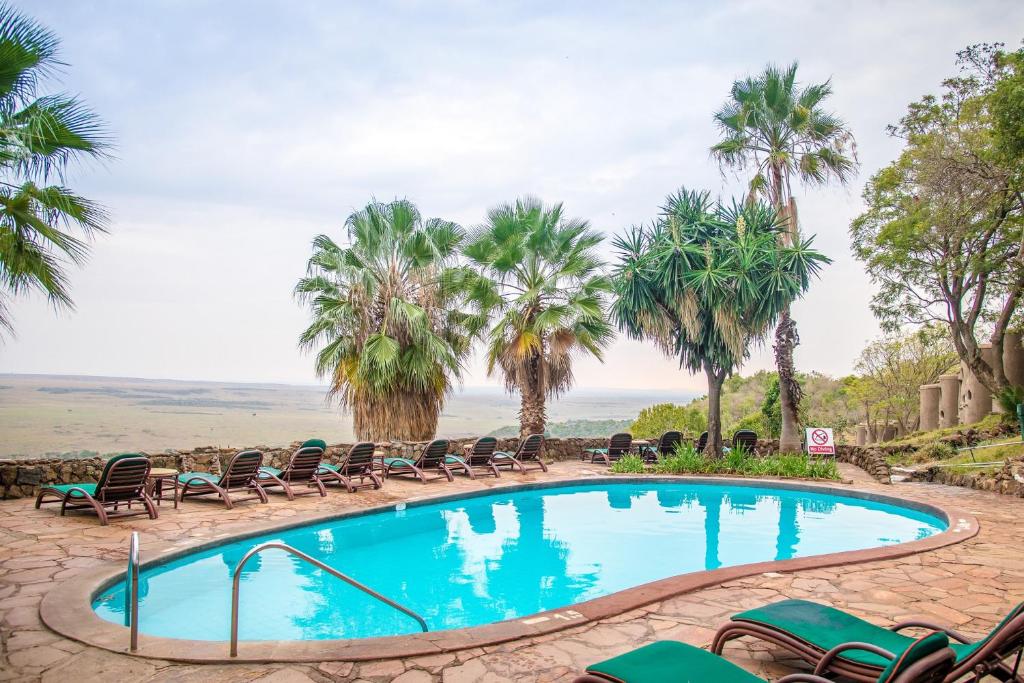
(820, 441)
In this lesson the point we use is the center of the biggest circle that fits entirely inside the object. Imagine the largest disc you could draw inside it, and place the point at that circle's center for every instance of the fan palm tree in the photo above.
(540, 282)
(390, 335)
(704, 282)
(43, 224)
(779, 129)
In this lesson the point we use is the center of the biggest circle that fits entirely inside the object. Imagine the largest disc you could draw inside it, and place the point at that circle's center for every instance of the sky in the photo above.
(244, 129)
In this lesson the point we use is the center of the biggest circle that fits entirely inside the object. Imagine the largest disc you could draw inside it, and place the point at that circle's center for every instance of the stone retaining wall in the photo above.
(23, 478)
(1008, 481)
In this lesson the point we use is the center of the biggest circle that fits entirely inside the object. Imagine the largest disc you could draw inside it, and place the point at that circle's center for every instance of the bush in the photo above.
(936, 450)
(754, 422)
(688, 461)
(628, 464)
(1008, 399)
(654, 421)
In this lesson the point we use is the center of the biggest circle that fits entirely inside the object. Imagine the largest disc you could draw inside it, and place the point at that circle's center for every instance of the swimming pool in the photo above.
(508, 554)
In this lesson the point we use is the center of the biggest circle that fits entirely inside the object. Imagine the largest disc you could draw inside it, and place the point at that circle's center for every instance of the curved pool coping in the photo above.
(67, 609)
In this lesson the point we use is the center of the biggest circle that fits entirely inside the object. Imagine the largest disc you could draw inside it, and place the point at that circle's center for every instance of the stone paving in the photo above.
(968, 586)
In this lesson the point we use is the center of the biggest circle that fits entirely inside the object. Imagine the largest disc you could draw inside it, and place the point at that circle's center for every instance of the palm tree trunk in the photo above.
(715, 381)
(786, 338)
(532, 411)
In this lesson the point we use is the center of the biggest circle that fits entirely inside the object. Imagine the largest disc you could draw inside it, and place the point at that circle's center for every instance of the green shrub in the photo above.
(1008, 400)
(628, 464)
(936, 450)
(654, 421)
(754, 422)
(688, 461)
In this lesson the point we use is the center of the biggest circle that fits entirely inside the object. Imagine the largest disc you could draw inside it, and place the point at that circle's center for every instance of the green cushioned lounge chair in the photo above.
(480, 459)
(359, 463)
(810, 630)
(240, 475)
(527, 456)
(927, 660)
(122, 482)
(302, 469)
(618, 446)
(431, 464)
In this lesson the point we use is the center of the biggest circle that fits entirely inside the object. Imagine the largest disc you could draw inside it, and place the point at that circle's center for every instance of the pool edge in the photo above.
(67, 609)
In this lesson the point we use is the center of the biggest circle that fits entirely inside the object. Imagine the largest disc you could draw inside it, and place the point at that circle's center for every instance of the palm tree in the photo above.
(540, 282)
(703, 282)
(39, 138)
(386, 319)
(780, 130)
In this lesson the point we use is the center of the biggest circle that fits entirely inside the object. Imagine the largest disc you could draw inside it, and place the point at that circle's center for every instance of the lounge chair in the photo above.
(618, 446)
(927, 660)
(480, 459)
(432, 461)
(240, 475)
(357, 463)
(664, 447)
(744, 439)
(529, 453)
(701, 443)
(811, 631)
(302, 468)
(122, 482)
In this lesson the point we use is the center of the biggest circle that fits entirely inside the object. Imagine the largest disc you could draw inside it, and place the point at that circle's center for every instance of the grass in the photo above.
(921, 438)
(686, 460)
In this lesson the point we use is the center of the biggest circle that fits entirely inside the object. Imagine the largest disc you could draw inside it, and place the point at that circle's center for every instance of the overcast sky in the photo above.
(246, 128)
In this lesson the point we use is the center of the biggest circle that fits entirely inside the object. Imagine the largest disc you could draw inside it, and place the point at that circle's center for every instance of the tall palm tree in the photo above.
(386, 319)
(541, 283)
(704, 282)
(43, 224)
(779, 129)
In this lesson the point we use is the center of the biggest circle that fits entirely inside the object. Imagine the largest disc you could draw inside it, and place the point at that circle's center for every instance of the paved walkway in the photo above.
(967, 585)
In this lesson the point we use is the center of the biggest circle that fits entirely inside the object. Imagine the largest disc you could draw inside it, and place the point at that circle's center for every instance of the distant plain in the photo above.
(60, 414)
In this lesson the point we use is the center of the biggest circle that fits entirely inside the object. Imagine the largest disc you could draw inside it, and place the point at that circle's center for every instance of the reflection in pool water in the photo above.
(480, 560)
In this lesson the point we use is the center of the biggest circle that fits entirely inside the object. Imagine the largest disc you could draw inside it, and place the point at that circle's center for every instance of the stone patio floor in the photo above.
(969, 586)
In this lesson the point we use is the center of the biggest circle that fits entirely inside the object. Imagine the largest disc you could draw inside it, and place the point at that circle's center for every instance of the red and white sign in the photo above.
(820, 441)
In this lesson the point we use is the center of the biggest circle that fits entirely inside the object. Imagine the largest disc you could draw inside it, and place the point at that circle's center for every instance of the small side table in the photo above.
(157, 477)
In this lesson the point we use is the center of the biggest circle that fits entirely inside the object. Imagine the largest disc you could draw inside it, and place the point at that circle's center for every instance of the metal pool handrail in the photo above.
(131, 595)
(236, 584)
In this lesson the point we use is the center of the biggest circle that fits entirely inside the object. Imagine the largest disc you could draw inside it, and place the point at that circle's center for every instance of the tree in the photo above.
(387, 319)
(780, 130)
(539, 281)
(942, 232)
(892, 370)
(655, 420)
(43, 224)
(704, 281)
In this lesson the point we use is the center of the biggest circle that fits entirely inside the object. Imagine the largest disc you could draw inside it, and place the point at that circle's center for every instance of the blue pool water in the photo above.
(479, 560)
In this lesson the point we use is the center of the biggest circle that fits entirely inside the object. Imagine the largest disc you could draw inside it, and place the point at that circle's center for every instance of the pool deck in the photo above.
(968, 585)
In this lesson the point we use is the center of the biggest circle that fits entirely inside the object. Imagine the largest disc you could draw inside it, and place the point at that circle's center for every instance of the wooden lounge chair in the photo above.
(357, 463)
(927, 660)
(664, 447)
(618, 446)
(701, 443)
(480, 459)
(744, 439)
(302, 468)
(428, 466)
(122, 482)
(526, 456)
(240, 475)
(812, 631)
